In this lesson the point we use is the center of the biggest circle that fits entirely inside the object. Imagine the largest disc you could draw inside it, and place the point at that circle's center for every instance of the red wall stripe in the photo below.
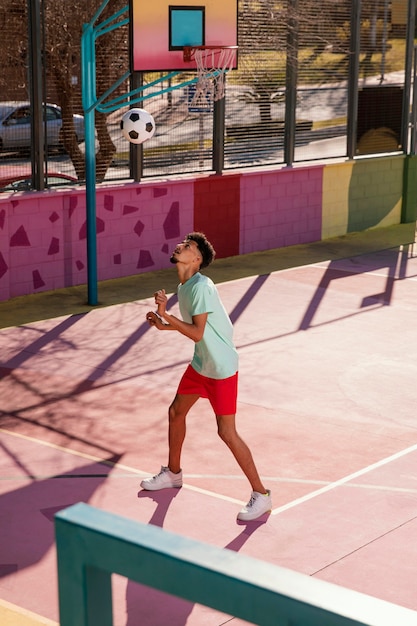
(217, 212)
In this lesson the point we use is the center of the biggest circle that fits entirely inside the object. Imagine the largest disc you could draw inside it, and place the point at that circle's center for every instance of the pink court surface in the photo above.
(327, 402)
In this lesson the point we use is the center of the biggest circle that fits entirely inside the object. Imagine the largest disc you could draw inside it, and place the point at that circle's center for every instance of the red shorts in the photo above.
(222, 394)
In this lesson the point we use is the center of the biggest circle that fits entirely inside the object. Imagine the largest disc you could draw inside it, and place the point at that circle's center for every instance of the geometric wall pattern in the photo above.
(43, 234)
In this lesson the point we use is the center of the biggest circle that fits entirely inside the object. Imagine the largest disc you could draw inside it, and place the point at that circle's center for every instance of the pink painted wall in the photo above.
(43, 235)
(280, 208)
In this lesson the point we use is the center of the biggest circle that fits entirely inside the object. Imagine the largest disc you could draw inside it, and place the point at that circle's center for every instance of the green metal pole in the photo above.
(88, 91)
(90, 104)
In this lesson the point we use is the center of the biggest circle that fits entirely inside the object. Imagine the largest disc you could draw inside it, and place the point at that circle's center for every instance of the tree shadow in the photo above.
(35, 397)
(27, 513)
(45, 339)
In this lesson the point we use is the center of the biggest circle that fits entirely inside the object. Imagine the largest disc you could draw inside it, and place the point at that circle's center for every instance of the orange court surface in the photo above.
(327, 340)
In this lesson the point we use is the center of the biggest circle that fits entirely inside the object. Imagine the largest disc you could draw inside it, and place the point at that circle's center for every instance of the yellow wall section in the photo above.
(361, 194)
(375, 195)
(336, 185)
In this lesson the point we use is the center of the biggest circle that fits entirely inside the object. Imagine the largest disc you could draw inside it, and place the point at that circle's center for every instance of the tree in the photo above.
(13, 50)
(64, 28)
(265, 29)
(62, 24)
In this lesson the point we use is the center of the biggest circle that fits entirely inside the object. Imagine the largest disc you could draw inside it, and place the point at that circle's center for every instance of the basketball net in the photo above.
(212, 65)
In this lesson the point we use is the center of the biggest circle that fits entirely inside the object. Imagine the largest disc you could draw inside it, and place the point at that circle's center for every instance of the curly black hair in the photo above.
(207, 251)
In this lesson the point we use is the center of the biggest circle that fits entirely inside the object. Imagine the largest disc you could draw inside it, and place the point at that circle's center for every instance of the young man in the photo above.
(213, 371)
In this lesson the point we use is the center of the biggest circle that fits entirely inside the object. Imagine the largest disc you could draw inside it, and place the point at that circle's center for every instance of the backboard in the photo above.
(161, 28)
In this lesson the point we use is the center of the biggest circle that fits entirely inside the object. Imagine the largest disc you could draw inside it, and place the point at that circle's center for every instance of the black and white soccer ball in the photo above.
(137, 125)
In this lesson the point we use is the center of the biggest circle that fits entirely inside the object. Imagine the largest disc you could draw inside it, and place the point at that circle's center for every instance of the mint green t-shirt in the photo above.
(215, 355)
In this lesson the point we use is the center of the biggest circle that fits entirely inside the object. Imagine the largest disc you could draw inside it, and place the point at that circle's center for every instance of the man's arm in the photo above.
(193, 331)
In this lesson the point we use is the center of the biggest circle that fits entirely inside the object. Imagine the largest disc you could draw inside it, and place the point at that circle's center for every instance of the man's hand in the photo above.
(165, 321)
(154, 319)
(161, 301)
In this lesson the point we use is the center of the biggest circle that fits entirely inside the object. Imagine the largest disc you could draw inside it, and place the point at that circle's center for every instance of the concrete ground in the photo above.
(326, 336)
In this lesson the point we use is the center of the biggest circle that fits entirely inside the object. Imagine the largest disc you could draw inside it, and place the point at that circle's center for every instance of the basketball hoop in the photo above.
(212, 63)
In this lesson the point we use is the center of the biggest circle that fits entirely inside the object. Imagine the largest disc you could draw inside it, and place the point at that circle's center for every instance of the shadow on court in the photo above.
(326, 401)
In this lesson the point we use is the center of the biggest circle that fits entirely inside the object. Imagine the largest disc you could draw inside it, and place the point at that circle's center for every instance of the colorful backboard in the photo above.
(161, 29)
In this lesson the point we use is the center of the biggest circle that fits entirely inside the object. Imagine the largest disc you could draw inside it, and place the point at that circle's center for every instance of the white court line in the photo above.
(132, 475)
(285, 507)
(83, 455)
(344, 480)
(13, 614)
(127, 468)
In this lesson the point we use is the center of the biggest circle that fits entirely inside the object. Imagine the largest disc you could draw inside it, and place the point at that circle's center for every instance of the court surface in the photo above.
(327, 403)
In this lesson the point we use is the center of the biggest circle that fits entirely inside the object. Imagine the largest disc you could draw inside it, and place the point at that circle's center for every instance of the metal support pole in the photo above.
(90, 180)
(218, 134)
(136, 150)
(291, 83)
(353, 86)
(90, 104)
(384, 42)
(414, 107)
(36, 95)
(409, 52)
(88, 91)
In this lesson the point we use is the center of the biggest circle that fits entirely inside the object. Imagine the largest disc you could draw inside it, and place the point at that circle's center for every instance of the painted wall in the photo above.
(43, 234)
(362, 194)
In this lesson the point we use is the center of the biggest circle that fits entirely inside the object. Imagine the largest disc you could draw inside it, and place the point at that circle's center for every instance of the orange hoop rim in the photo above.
(189, 51)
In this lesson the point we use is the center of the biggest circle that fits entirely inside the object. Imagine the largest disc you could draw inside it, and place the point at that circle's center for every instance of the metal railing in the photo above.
(92, 544)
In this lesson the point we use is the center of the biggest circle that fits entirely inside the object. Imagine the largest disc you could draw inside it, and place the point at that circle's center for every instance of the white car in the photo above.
(15, 125)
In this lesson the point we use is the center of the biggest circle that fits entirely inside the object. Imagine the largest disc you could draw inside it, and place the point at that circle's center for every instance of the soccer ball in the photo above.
(137, 125)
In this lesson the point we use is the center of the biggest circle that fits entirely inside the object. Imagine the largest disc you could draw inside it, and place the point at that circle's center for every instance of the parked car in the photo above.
(22, 180)
(16, 121)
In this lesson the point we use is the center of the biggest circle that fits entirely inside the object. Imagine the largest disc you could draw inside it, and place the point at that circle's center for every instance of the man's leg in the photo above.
(176, 431)
(171, 476)
(227, 432)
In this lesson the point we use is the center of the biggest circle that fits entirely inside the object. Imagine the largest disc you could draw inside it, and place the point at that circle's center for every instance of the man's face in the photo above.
(186, 252)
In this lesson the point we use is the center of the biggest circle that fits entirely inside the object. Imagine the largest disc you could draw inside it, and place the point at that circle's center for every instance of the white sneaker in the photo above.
(258, 504)
(164, 480)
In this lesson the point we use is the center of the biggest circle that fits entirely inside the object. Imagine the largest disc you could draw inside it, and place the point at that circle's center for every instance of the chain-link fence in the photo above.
(287, 102)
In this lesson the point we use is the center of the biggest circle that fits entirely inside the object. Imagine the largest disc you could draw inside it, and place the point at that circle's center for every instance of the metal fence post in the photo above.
(36, 95)
(411, 20)
(218, 135)
(355, 47)
(291, 83)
